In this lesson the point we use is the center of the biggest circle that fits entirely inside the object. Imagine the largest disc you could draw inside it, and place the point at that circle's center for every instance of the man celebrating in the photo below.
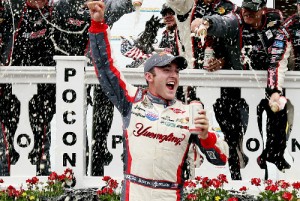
(156, 132)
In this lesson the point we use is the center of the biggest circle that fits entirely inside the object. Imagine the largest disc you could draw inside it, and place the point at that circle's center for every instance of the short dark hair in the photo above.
(254, 5)
(166, 9)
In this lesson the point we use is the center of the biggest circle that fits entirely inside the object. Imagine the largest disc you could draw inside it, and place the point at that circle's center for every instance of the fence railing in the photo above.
(68, 139)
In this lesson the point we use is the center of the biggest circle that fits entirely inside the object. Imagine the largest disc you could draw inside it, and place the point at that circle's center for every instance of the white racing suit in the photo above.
(156, 133)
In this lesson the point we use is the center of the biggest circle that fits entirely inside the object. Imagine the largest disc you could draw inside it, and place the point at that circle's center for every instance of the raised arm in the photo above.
(280, 53)
(226, 26)
(111, 79)
(181, 7)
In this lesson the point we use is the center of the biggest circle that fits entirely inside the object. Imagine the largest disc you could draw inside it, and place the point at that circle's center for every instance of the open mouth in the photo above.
(171, 85)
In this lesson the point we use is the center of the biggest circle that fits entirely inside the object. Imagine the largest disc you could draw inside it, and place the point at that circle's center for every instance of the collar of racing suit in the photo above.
(160, 100)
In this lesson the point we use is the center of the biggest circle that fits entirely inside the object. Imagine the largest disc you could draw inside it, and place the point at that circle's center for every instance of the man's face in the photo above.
(164, 82)
(169, 19)
(253, 18)
(298, 8)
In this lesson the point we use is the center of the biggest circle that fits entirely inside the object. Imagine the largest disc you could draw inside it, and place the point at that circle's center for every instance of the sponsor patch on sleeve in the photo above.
(279, 37)
(278, 43)
(276, 51)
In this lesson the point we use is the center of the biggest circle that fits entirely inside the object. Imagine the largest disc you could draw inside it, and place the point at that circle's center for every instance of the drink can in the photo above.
(194, 108)
(208, 54)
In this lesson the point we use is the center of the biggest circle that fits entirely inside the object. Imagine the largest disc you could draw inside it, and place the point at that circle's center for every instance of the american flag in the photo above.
(129, 50)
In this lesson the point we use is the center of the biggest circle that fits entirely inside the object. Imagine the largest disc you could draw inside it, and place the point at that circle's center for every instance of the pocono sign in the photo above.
(70, 119)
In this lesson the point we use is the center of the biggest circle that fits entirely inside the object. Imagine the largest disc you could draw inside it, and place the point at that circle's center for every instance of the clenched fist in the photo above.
(97, 9)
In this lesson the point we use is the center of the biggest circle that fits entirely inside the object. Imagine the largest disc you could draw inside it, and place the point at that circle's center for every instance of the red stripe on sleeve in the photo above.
(209, 142)
(97, 27)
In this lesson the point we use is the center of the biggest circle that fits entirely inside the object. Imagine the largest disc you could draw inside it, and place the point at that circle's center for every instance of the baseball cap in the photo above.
(166, 9)
(254, 5)
(162, 59)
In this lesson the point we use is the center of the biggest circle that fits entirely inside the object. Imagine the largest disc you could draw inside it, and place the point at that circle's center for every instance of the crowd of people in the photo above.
(203, 34)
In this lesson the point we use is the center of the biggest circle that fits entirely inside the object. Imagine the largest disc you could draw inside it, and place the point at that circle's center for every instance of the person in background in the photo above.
(192, 47)
(72, 19)
(156, 132)
(169, 36)
(26, 42)
(195, 49)
(249, 36)
(286, 47)
(285, 54)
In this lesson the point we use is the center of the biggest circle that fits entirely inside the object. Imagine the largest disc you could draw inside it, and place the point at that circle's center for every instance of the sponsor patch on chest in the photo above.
(151, 115)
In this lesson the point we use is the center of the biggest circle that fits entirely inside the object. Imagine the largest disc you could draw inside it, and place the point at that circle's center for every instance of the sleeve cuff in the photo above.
(210, 141)
(97, 27)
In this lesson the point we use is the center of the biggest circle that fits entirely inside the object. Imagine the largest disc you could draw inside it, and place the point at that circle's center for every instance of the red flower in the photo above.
(233, 199)
(189, 184)
(99, 192)
(11, 191)
(216, 183)
(1, 181)
(191, 196)
(284, 184)
(244, 188)
(53, 176)
(18, 193)
(62, 177)
(32, 181)
(296, 185)
(206, 182)
(106, 178)
(222, 178)
(198, 178)
(107, 190)
(68, 170)
(255, 181)
(269, 182)
(113, 183)
(272, 188)
(69, 173)
(287, 196)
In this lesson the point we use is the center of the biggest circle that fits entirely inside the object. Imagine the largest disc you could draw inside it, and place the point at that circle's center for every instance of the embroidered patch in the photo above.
(152, 116)
(269, 34)
(278, 43)
(211, 155)
(221, 10)
(177, 111)
(276, 51)
(279, 37)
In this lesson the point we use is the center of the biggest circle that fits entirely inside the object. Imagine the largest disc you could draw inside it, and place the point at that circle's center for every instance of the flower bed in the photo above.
(206, 189)
(57, 188)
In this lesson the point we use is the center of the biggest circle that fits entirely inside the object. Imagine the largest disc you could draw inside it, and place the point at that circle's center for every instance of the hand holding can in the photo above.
(194, 109)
